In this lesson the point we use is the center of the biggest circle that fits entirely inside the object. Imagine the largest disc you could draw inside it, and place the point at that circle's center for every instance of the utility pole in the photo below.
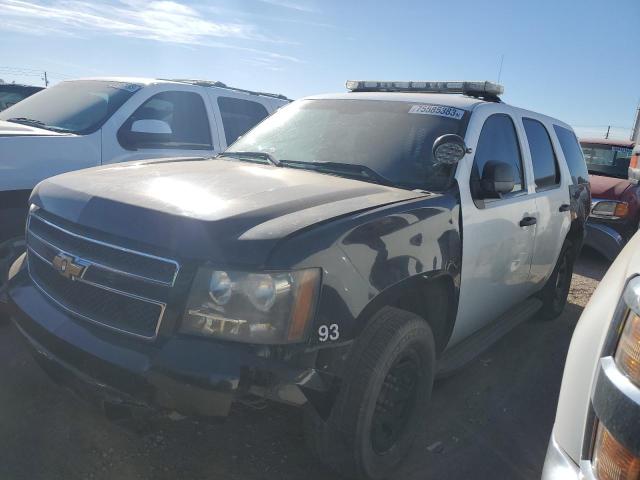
(46, 80)
(608, 129)
(635, 133)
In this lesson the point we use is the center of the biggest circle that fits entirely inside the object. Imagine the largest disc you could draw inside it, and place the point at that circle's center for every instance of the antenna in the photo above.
(500, 68)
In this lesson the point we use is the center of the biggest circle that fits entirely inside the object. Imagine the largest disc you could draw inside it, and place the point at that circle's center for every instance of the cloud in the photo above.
(292, 5)
(164, 21)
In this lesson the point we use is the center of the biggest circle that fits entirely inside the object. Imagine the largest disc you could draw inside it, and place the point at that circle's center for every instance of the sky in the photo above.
(576, 60)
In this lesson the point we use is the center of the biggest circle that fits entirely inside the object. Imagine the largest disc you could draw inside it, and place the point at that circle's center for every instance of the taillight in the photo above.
(633, 163)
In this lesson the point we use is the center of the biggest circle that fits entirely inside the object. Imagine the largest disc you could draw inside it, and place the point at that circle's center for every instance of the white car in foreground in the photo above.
(597, 429)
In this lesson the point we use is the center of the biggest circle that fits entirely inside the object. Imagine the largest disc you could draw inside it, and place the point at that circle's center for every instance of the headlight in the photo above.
(610, 209)
(269, 308)
(627, 355)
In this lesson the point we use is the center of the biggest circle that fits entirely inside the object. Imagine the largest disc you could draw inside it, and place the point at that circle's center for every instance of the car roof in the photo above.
(609, 141)
(145, 81)
(449, 99)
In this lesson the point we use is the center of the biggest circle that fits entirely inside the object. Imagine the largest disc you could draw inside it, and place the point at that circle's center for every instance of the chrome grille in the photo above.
(106, 284)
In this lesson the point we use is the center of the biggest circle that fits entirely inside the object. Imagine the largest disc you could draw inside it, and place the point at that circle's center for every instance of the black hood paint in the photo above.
(224, 211)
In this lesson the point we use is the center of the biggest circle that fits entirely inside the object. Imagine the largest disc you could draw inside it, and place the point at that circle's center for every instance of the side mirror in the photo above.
(449, 149)
(497, 179)
(151, 126)
(145, 133)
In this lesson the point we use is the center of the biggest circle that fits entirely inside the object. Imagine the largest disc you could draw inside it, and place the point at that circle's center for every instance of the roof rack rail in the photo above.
(486, 90)
(213, 83)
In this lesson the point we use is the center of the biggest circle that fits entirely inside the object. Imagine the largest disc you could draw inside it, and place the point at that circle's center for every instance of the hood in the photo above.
(608, 187)
(28, 158)
(17, 129)
(219, 210)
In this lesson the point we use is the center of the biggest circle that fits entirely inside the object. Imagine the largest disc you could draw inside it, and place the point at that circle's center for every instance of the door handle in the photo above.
(527, 221)
(564, 207)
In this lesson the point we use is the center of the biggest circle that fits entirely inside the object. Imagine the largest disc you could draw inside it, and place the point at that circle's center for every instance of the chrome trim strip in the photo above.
(110, 245)
(103, 287)
(84, 317)
(92, 263)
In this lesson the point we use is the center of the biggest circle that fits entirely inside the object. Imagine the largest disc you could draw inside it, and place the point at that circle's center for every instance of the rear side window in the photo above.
(545, 164)
(573, 154)
(498, 142)
(239, 116)
(186, 115)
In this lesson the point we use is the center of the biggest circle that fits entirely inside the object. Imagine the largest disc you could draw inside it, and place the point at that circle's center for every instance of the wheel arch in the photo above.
(433, 297)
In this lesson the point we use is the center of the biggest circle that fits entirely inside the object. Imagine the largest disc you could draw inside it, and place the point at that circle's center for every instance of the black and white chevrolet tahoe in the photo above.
(339, 256)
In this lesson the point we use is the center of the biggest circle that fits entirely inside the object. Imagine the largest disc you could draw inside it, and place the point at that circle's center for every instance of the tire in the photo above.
(556, 290)
(382, 403)
(10, 250)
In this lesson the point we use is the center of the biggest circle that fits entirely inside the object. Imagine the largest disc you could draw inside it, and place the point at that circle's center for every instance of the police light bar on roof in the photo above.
(475, 89)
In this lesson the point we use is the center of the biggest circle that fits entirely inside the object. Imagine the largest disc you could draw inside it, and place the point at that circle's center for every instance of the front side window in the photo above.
(608, 160)
(179, 119)
(239, 116)
(572, 154)
(545, 165)
(498, 142)
(378, 141)
(79, 106)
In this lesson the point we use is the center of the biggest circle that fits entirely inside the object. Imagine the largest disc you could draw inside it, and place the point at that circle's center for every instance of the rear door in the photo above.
(551, 193)
(498, 233)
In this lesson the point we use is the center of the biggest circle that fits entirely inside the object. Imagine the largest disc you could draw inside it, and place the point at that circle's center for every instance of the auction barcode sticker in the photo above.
(440, 110)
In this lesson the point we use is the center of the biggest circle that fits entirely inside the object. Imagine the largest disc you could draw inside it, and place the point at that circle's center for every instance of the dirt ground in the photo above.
(491, 420)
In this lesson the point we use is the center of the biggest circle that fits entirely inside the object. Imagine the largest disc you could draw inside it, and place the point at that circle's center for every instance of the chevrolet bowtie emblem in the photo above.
(66, 266)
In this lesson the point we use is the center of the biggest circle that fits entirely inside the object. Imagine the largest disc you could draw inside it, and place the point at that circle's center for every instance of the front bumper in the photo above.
(604, 239)
(558, 465)
(194, 376)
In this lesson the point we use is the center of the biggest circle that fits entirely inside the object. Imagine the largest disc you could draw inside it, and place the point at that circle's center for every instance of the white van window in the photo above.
(239, 116)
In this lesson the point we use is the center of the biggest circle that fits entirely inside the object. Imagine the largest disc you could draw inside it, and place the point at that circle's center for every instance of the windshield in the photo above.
(10, 95)
(78, 107)
(389, 139)
(608, 160)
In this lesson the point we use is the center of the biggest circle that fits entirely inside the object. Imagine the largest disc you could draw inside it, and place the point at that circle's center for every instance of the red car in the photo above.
(615, 200)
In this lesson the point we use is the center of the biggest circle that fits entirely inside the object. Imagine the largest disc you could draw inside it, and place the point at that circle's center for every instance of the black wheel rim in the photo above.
(395, 403)
(563, 280)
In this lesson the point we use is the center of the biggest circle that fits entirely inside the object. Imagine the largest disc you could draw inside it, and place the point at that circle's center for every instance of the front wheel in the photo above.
(556, 290)
(383, 399)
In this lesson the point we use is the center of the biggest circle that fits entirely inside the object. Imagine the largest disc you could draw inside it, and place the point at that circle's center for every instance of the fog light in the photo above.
(611, 460)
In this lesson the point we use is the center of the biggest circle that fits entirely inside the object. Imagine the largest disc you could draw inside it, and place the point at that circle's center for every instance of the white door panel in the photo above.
(553, 226)
(551, 195)
(497, 250)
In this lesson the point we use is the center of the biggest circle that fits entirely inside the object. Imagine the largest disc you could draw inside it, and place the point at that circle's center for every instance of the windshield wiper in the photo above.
(36, 123)
(262, 155)
(360, 172)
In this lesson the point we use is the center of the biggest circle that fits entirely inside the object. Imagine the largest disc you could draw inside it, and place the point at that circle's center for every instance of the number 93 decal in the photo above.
(328, 332)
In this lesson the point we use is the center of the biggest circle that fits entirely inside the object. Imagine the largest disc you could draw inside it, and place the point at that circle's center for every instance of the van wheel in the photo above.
(555, 292)
(10, 250)
(383, 400)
